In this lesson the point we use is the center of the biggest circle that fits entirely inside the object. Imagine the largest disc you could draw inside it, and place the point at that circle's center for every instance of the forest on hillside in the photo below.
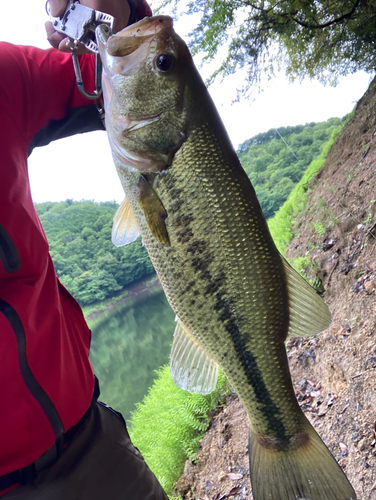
(79, 233)
(86, 261)
(276, 160)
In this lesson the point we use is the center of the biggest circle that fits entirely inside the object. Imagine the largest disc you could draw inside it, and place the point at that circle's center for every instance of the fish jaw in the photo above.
(122, 41)
(146, 124)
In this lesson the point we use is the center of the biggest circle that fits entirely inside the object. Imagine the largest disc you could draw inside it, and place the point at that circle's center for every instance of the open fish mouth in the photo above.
(131, 38)
(128, 53)
(135, 45)
(129, 50)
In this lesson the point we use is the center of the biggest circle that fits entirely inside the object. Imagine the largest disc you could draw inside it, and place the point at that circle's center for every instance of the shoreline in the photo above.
(137, 292)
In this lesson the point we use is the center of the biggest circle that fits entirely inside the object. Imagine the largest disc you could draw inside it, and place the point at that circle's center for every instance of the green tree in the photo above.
(322, 38)
(85, 260)
(276, 160)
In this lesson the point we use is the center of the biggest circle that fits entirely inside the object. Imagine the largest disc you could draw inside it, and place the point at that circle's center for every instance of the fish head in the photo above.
(145, 73)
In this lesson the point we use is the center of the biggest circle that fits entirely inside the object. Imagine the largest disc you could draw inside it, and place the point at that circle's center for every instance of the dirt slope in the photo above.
(334, 374)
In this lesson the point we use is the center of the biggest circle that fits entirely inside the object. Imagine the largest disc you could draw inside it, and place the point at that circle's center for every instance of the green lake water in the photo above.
(128, 345)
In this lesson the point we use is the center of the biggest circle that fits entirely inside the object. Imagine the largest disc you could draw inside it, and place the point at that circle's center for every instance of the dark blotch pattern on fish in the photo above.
(175, 207)
(175, 192)
(201, 265)
(216, 285)
(200, 258)
(184, 236)
(184, 232)
(183, 220)
(197, 247)
(224, 309)
(189, 286)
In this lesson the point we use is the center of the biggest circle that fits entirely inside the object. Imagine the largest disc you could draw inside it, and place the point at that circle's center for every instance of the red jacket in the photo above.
(46, 380)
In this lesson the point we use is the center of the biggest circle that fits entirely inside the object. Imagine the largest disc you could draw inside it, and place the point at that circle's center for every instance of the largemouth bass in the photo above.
(235, 297)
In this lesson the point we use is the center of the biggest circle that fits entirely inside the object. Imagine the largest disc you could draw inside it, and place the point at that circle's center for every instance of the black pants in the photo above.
(98, 463)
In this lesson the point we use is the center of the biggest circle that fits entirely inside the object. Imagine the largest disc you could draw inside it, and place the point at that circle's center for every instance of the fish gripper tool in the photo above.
(78, 23)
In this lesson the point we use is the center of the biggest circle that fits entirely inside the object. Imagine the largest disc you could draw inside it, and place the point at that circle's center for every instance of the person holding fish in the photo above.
(56, 440)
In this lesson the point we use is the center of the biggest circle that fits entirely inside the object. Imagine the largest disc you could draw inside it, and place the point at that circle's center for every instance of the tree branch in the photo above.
(329, 23)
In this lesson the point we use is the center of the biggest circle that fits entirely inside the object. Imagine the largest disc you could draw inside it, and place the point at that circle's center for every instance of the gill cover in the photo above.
(144, 75)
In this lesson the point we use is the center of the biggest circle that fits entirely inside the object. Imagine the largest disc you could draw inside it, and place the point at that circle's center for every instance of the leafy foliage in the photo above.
(276, 160)
(169, 423)
(86, 261)
(323, 39)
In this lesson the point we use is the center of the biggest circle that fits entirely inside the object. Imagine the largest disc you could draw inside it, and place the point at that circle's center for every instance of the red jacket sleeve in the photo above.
(38, 86)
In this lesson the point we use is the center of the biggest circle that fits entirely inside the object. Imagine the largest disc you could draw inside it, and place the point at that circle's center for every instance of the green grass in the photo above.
(168, 424)
(301, 264)
(319, 228)
(281, 225)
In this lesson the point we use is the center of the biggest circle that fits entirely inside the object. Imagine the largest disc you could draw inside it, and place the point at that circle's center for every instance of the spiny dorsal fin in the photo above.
(308, 312)
(192, 369)
(125, 228)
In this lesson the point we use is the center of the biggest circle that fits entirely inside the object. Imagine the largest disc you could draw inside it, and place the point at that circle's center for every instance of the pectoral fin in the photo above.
(192, 369)
(308, 312)
(154, 212)
(125, 228)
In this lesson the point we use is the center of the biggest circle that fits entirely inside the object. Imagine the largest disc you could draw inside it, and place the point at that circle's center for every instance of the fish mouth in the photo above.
(128, 40)
(129, 50)
(147, 26)
(125, 53)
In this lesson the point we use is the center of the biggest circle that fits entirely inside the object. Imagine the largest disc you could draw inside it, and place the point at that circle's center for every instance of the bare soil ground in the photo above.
(334, 373)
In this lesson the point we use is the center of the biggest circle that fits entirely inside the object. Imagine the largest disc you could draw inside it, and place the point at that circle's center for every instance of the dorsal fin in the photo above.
(308, 312)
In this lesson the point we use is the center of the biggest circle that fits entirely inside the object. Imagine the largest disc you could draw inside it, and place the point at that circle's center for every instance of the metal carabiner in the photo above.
(98, 77)
(78, 23)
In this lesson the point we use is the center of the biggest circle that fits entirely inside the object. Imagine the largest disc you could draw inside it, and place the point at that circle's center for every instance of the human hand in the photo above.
(119, 9)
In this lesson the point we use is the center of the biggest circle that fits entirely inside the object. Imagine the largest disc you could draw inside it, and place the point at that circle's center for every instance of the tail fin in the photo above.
(307, 473)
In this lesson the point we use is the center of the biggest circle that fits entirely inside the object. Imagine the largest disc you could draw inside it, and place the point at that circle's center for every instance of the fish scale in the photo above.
(188, 188)
(236, 298)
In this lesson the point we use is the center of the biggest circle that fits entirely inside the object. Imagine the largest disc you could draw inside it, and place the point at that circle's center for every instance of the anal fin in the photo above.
(192, 368)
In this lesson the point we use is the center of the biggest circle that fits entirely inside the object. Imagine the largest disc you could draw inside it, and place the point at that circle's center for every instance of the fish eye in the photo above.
(164, 62)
